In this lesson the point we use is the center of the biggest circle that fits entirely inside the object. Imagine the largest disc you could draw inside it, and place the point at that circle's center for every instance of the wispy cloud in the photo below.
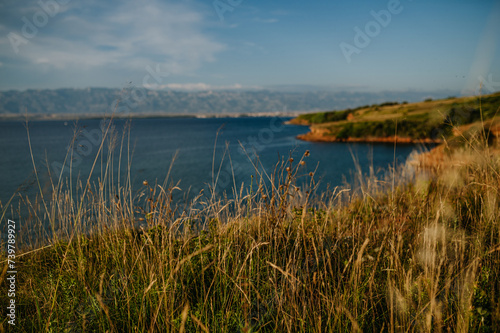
(112, 42)
(126, 34)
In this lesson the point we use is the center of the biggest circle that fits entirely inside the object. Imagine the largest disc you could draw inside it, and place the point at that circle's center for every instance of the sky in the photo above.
(251, 44)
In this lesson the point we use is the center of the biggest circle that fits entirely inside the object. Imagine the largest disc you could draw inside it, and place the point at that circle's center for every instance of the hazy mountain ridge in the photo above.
(142, 101)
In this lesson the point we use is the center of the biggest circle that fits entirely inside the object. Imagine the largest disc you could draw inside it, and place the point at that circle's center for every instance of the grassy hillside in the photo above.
(416, 121)
(416, 252)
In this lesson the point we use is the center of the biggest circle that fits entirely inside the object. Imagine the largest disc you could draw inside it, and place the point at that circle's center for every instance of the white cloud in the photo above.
(126, 34)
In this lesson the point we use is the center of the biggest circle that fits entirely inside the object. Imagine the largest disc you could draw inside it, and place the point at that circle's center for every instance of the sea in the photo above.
(196, 154)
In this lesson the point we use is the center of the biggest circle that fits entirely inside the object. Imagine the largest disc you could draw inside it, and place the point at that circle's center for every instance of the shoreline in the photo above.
(322, 135)
(69, 117)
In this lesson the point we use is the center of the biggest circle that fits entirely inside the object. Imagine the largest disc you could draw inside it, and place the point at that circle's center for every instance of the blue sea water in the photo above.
(198, 144)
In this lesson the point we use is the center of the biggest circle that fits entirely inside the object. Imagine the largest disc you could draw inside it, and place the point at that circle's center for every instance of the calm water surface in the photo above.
(153, 143)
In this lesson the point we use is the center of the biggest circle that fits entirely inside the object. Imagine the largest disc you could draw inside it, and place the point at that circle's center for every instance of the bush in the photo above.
(323, 117)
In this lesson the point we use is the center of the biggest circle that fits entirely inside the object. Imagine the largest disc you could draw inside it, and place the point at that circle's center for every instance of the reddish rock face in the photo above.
(323, 135)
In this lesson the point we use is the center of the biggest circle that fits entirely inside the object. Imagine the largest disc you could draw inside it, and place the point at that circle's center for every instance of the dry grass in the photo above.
(394, 256)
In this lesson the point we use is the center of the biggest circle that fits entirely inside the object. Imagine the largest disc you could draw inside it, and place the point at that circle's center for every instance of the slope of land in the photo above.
(428, 121)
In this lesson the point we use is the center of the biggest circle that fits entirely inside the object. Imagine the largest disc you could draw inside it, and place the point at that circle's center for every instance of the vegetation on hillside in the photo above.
(425, 120)
(410, 252)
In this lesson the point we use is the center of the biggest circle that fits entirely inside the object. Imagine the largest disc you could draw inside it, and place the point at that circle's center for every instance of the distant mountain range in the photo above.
(131, 101)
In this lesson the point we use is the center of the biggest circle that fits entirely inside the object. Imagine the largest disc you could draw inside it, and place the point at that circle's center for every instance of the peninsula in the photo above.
(430, 121)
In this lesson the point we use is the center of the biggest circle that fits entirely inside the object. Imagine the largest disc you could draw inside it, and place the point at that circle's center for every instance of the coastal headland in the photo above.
(430, 121)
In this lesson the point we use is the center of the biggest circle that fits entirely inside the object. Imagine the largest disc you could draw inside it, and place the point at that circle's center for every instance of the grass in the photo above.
(417, 251)
(431, 119)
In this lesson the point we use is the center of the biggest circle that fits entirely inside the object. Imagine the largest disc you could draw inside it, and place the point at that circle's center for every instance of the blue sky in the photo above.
(247, 44)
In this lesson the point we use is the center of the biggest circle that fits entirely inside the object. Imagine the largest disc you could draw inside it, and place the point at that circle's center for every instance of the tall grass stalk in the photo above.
(403, 256)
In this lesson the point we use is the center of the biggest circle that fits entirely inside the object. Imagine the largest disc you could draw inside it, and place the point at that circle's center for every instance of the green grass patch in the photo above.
(434, 119)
